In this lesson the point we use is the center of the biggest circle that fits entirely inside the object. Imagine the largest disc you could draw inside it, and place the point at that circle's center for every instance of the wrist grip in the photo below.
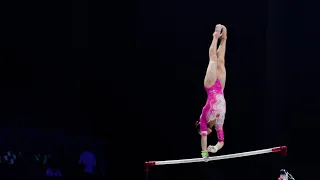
(215, 149)
(204, 153)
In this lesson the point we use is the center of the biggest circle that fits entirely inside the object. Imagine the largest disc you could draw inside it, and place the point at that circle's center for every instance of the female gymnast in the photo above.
(213, 113)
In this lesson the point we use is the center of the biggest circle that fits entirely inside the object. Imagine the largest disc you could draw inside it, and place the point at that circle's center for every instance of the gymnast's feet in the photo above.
(217, 32)
(223, 35)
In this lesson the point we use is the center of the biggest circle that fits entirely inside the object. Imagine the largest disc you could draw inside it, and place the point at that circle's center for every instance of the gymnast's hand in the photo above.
(212, 149)
(205, 155)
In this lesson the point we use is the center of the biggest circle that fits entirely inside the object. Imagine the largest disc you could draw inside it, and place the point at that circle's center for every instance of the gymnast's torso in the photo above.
(215, 107)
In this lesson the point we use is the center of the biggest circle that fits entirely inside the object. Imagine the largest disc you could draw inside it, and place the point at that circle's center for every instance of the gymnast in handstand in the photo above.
(213, 113)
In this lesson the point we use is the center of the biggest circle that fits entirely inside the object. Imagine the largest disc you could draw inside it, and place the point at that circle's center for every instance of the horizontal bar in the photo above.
(282, 149)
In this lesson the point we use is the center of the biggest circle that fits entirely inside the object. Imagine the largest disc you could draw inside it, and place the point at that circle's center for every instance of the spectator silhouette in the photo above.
(88, 162)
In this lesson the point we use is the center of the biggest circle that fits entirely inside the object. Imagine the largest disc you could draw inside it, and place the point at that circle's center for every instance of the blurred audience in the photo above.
(15, 165)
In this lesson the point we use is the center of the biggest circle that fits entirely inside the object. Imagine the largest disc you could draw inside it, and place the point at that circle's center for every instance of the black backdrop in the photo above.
(136, 79)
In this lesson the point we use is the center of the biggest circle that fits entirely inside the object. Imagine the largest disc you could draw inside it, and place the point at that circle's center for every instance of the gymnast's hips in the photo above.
(213, 113)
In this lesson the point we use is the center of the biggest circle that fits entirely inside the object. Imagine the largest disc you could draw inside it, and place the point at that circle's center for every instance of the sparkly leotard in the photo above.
(214, 109)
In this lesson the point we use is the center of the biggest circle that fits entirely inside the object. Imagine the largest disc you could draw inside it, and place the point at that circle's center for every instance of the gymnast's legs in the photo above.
(211, 74)
(221, 52)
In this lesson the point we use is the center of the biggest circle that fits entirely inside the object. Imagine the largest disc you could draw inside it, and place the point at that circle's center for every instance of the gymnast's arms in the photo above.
(220, 144)
(204, 152)
(220, 135)
(203, 133)
(204, 142)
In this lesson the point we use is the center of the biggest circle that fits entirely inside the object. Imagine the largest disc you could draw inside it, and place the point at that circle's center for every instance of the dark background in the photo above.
(135, 79)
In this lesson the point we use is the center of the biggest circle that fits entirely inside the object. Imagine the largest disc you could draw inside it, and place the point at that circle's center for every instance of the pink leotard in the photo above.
(214, 109)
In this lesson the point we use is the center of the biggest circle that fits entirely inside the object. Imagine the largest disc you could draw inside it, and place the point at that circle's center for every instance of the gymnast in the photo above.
(213, 113)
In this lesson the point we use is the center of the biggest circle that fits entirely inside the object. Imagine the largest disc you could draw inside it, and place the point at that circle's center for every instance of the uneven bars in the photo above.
(282, 149)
